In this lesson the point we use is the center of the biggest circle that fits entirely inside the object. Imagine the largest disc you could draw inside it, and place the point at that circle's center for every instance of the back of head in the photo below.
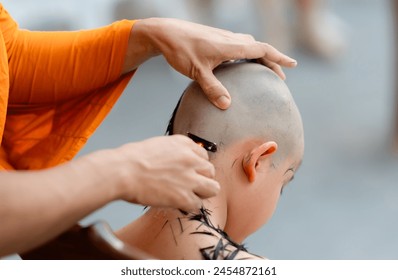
(262, 109)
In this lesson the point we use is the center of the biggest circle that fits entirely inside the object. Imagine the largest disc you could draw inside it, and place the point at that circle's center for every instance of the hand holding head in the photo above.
(196, 50)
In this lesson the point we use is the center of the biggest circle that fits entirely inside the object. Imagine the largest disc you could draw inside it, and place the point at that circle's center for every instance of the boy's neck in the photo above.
(159, 226)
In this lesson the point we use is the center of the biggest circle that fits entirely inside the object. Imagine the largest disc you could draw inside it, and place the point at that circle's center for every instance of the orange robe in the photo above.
(55, 89)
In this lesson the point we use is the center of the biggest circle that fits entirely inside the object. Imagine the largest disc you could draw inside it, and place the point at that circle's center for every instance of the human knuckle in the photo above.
(249, 37)
(204, 154)
(197, 72)
(211, 91)
(206, 167)
(180, 138)
(185, 198)
(212, 170)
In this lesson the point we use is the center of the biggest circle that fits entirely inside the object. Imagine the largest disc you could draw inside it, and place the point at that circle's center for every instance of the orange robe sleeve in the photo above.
(61, 87)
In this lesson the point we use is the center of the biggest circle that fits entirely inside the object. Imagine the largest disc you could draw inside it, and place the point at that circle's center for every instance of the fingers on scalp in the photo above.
(246, 37)
(214, 89)
(272, 54)
(276, 68)
(209, 83)
(276, 56)
(250, 49)
(245, 50)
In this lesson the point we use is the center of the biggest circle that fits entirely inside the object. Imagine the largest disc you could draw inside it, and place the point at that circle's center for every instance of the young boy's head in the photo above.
(260, 141)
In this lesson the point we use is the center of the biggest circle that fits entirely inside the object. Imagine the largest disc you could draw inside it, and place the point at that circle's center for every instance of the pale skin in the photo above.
(254, 163)
(195, 50)
(250, 188)
(37, 206)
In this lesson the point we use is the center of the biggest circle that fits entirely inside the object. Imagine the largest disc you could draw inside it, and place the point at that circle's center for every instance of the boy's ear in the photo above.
(253, 159)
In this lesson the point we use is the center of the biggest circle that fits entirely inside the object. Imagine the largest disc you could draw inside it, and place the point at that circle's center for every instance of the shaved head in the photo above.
(262, 109)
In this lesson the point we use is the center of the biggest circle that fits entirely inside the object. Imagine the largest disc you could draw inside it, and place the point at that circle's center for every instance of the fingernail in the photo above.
(223, 102)
(294, 62)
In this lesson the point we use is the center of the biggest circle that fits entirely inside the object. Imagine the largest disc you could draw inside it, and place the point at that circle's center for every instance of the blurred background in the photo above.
(343, 203)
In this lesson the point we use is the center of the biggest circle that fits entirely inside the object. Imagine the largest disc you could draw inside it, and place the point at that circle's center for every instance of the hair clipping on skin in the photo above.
(209, 146)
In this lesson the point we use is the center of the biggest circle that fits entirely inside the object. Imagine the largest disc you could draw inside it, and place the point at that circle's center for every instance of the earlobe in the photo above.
(253, 159)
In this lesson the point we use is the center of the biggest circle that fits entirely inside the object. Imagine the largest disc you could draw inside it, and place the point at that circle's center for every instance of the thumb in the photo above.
(214, 90)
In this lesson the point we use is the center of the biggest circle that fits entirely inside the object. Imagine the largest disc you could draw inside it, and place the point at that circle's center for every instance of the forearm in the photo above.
(36, 206)
(196, 50)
